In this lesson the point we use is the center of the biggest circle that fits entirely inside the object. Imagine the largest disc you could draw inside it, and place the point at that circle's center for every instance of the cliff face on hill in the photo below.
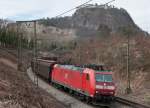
(98, 17)
(94, 21)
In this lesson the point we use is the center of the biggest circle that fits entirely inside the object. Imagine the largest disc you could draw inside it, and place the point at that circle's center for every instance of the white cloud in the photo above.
(139, 11)
(30, 9)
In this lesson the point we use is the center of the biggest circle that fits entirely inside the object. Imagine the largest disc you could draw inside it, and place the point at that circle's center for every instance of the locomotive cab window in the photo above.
(103, 78)
(87, 77)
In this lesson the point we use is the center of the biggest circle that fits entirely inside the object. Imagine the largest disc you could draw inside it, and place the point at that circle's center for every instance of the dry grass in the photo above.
(17, 91)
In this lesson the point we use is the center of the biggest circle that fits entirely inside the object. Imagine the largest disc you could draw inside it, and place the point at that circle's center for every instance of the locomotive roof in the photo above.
(72, 67)
(97, 68)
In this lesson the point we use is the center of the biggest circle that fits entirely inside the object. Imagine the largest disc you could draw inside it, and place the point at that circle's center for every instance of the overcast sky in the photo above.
(34, 9)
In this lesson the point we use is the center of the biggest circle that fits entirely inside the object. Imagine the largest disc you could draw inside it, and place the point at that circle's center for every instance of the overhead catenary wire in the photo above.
(109, 2)
(73, 8)
(84, 4)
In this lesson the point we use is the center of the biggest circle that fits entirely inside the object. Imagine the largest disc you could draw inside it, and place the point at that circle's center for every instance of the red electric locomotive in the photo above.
(92, 84)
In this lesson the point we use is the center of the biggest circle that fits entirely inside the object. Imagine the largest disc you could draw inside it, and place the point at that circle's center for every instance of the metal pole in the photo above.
(79, 54)
(35, 54)
(128, 70)
(34, 49)
(18, 44)
(19, 47)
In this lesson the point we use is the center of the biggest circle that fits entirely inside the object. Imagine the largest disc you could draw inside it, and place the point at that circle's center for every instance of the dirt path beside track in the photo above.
(9, 63)
(18, 91)
(62, 97)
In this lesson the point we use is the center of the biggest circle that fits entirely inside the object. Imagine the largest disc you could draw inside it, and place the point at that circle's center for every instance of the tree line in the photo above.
(10, 39)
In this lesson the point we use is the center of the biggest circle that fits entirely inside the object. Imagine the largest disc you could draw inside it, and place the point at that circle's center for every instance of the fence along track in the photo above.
(130, 103)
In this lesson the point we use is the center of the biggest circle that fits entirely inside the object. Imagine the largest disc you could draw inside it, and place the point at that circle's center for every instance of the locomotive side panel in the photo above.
(58, 76)
(74, 79)
(88, 82)
(68, 78)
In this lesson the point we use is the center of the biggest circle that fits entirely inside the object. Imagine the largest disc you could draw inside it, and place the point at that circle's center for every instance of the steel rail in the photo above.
(130, 103)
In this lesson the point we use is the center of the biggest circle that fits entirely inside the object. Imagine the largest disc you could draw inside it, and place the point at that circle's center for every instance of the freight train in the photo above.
(91, 82)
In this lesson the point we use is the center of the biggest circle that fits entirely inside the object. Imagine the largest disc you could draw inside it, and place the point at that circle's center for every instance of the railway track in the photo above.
(118, 103)
(62, 97)
(130, 103)
(123, 102)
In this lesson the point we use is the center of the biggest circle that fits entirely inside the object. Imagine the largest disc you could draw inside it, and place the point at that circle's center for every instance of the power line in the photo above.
(73, 8)
(81, 6)
(109, 2)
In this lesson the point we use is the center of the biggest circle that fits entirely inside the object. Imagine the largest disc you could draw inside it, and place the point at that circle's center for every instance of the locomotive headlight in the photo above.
(99, 87)
(111, 87)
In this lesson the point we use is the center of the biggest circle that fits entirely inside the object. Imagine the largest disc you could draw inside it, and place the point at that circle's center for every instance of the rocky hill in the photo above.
(88, 21)
(95, 21)
(98, 17)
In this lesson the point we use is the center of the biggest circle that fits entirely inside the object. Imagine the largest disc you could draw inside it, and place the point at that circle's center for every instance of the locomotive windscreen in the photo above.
(103, 78)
